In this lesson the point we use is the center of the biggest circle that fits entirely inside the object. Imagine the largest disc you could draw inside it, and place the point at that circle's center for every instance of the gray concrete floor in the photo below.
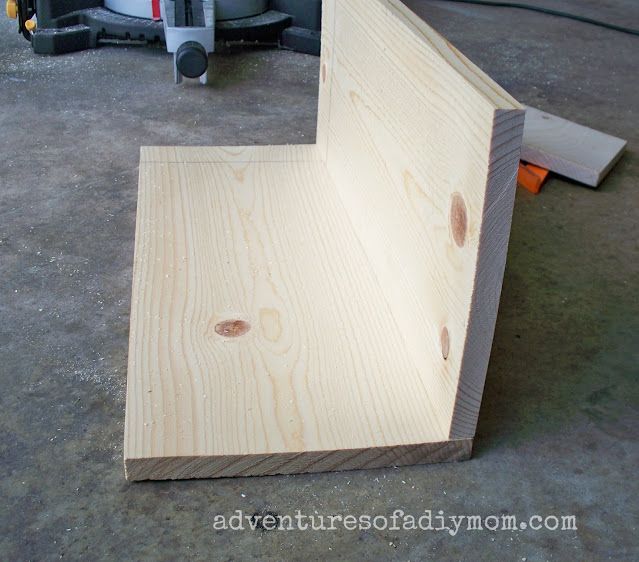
(558, 427)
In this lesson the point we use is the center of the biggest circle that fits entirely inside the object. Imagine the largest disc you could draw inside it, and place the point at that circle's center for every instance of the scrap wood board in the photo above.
(569, 149)
(328, 306)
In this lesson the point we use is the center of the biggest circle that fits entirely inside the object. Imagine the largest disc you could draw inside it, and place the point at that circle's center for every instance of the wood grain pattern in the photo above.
(170, 468)
(569, 149)
(327, 306)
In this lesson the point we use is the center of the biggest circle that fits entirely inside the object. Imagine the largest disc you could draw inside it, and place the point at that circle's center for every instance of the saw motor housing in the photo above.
(61, 26)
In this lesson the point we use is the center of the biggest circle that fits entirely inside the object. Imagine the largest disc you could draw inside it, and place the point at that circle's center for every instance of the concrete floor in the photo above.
(558, 428)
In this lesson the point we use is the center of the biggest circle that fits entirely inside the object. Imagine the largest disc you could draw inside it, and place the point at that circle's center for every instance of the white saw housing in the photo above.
(224, 9)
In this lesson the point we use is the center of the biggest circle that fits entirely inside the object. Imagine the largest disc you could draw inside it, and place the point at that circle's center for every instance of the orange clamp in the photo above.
(531, 177)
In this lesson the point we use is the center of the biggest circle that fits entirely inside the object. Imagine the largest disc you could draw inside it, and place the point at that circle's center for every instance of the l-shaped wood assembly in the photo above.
(329, 306)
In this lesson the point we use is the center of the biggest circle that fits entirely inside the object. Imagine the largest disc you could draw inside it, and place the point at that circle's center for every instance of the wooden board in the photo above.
(569, 149)
(327, 306)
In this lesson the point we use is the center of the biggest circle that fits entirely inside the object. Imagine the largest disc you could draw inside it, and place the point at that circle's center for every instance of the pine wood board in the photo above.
(569, 149)
(327, 306)
(242, 240)
(175, 468)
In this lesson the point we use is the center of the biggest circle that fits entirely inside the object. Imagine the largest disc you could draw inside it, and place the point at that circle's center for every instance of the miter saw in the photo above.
(188, 28)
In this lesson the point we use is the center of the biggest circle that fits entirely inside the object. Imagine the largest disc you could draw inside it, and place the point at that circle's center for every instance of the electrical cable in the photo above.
(551, 12)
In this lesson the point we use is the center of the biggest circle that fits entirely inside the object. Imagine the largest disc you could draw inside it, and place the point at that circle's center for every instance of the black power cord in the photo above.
(550, 12)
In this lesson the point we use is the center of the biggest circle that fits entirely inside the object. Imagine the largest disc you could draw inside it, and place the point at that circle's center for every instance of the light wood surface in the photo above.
(173, 468)
(328, 306)
(569, 149)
